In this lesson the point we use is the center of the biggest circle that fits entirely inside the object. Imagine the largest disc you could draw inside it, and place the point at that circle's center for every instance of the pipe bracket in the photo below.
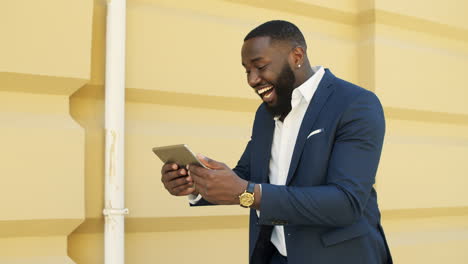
(115, 211)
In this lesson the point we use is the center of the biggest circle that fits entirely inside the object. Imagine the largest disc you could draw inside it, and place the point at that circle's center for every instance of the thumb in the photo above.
(210, 163)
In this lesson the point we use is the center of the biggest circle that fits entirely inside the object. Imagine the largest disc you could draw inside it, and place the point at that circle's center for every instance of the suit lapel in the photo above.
(262, 152)
(324, 90)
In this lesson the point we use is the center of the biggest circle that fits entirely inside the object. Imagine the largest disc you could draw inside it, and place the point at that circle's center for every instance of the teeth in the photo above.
(261, 91)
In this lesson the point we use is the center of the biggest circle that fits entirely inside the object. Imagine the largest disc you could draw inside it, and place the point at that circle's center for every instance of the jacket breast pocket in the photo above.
(342, 234)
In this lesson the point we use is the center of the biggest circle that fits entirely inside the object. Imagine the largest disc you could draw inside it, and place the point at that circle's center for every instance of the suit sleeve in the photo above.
(242, 168)
(350, 176)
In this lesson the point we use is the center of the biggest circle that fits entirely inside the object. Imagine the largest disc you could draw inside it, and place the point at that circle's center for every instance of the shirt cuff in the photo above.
(194, 199)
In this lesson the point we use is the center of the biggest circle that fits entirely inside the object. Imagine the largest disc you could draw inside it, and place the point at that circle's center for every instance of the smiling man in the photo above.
(307, 173)
(269, 71)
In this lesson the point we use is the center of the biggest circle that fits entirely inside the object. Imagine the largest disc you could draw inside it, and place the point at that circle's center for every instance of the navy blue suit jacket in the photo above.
(328, 206)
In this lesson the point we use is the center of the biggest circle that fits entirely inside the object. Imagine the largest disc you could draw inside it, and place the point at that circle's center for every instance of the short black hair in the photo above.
(279, 30)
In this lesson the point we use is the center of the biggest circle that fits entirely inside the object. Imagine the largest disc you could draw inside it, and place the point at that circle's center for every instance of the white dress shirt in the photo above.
(284, 140)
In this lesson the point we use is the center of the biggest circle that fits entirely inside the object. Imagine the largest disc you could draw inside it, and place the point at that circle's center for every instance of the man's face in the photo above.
(269, 72)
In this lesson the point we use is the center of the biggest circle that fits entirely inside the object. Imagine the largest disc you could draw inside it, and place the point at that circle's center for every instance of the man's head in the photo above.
(274, 56)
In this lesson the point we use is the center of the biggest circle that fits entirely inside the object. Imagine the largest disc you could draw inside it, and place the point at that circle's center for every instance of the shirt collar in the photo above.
(308, 88)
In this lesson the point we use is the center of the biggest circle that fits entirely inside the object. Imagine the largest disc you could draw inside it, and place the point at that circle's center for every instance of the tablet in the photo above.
(179, 154)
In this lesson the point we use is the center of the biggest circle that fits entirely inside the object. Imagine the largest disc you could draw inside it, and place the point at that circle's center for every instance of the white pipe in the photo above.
(114, 211)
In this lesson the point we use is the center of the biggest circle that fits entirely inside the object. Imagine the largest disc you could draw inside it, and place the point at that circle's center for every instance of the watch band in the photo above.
(250, 187)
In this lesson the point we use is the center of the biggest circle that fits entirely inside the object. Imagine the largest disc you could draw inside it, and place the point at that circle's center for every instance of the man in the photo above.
(308, 171)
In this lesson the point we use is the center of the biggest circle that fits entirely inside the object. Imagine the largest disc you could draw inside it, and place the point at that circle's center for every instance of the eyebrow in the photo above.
(253, 60)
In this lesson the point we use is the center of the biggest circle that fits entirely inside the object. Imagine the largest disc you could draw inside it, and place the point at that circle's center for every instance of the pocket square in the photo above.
(315, 132)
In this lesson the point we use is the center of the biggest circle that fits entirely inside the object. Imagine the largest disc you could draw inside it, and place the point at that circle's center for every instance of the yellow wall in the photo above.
(185, 84)
(45, 52)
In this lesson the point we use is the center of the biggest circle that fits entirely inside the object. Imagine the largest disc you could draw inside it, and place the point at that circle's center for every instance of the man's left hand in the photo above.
(218, 184)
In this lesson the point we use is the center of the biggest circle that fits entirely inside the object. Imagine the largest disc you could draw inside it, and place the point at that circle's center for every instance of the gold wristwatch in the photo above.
(247, 197)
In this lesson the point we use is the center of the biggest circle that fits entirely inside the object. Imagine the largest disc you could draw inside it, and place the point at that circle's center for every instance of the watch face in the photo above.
(246, 199)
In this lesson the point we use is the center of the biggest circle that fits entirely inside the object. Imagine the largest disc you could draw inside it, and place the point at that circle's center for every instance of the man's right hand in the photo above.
(176, 180)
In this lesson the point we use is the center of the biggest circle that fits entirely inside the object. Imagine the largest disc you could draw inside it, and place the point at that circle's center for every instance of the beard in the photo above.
(284, 88)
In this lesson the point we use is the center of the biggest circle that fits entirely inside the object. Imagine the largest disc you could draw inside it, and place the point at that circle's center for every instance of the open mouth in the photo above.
(265, 92)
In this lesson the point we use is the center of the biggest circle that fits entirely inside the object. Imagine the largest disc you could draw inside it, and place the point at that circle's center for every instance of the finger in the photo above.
(188, 191)
(200, 171)
(189, 178)
(184, 189)
(198, 180)
(182, 172)
(177, 182)
(210, 163)
(176, 174)
(169, 176)
(169, 167)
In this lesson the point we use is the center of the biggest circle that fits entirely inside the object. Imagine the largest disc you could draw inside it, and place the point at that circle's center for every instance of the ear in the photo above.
(297, 57)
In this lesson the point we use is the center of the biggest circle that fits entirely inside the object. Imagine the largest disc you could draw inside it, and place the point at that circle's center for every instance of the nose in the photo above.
(253, 79)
